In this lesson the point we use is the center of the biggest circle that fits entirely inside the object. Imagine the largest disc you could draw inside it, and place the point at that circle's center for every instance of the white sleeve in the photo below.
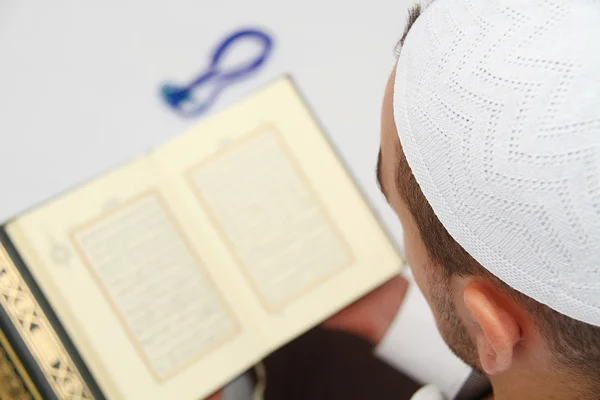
(241, 388)
(414, 346)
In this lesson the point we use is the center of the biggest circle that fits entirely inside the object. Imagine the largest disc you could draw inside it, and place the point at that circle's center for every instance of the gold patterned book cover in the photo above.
(169, 276)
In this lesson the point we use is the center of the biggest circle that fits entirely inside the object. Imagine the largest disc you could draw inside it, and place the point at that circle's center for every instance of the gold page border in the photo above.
(18, 384)
(38, 334)
(267, 129)
(139, 348)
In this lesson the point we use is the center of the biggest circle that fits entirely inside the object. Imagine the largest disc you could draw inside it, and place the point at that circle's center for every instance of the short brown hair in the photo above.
(574, 344)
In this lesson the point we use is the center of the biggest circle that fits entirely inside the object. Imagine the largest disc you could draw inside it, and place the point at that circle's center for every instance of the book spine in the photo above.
(37, 358)
(15, 382)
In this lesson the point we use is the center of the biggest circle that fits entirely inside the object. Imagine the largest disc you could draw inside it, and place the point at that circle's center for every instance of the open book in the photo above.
(174, 273)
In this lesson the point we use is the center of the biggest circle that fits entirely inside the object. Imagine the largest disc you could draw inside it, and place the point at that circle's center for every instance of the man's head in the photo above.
(488, 323)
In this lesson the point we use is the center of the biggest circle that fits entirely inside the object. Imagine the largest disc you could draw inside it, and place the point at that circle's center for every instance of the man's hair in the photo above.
(573, 344)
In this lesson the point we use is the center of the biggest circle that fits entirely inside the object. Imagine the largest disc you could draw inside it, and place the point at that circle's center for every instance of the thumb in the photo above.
(217, 396)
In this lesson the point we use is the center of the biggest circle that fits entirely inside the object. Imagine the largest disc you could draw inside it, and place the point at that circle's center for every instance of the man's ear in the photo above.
(499, 330)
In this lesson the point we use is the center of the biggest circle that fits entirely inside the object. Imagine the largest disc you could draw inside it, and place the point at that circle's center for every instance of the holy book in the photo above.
(170, 275)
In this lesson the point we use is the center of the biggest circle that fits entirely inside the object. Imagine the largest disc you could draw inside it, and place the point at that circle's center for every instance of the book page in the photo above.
(140, 260)
(135, 290)
(284, 216)
(272, 221)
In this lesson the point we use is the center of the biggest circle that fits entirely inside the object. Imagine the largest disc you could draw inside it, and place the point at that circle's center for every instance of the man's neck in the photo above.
(528, 386)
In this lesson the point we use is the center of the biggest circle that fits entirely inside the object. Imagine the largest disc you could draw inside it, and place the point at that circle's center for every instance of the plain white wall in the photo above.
(79, 81)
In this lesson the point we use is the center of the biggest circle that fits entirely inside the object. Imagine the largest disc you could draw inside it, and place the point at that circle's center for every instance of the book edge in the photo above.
(36, 334)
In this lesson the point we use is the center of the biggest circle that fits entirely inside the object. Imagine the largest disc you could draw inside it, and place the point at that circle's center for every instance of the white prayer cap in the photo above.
(497, 105)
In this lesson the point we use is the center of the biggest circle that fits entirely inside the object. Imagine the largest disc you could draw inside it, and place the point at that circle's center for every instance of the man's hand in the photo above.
(371, 316)
(216, 396)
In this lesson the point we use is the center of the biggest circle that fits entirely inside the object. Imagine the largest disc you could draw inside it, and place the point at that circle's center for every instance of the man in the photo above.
(490, 156)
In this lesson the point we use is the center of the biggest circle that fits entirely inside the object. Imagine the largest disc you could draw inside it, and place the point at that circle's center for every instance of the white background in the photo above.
(79, 80)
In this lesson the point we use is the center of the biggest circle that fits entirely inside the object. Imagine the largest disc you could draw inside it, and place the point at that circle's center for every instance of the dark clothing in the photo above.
(324, 365)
